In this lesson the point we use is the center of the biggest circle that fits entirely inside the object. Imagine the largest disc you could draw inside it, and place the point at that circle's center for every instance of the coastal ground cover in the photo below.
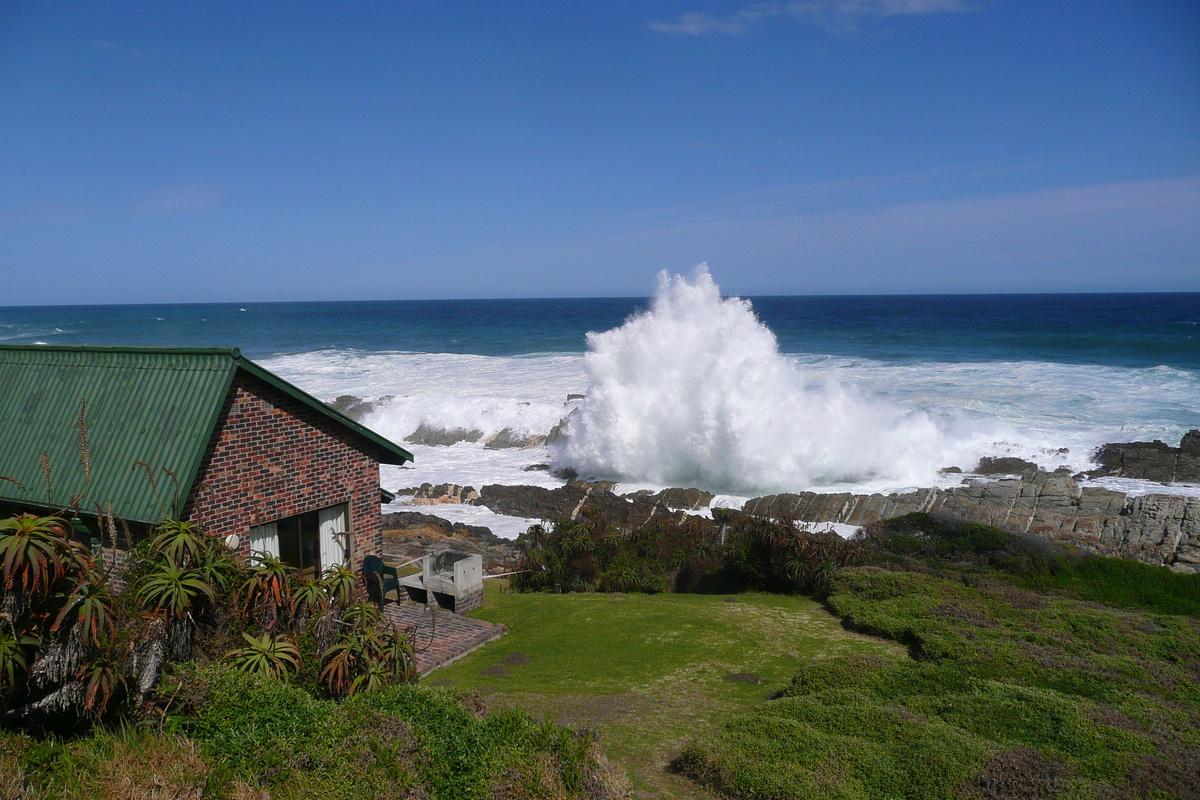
(1010, 693)
(649, 673)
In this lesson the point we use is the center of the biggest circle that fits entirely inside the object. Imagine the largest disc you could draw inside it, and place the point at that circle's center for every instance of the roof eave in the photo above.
(193, 471)
(391, 452)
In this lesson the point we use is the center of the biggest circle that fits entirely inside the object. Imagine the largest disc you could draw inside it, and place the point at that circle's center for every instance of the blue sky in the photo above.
(191, 152)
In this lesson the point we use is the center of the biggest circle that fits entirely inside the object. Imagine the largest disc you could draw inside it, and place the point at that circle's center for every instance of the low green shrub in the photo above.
(1122, 583)
(943, 540)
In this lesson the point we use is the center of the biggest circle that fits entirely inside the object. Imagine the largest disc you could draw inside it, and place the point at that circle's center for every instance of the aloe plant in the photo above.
(31, 550)
(275, 656)
(219, 567)
(341, 585)
(308, 597)
(173, 591)
(102, 676)
(15, 647)
(269, 582)
(361, 615)
(181, 543)
(92, 609)
(366, 655)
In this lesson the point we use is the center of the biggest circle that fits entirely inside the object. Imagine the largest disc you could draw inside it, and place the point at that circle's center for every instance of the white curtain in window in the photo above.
(265, 537)
(333, 546)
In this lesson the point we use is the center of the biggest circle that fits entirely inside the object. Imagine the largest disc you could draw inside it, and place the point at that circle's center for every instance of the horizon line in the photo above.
(585, 297)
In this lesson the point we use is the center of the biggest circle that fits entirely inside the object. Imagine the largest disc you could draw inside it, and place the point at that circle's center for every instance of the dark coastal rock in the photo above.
(567, 502)
(356, 408)
(562, 429)
(603, 486)
(1152, 461)
(1155, 529)
(508, 439)
(437, 437)
(557, 432)
(1005, 465)
(532, 502)
(428, 494)
(687, 499)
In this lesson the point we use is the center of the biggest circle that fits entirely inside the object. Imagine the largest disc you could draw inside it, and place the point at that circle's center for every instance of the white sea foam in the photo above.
(1135, 488)
(694, 391)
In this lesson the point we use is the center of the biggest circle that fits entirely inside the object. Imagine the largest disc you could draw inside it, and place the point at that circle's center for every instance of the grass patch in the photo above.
(649, 672)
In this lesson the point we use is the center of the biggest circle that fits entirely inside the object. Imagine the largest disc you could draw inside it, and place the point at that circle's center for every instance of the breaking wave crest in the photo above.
(694, 391)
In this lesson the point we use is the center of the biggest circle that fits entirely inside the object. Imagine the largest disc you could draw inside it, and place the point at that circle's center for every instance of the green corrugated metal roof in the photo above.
(157, 405)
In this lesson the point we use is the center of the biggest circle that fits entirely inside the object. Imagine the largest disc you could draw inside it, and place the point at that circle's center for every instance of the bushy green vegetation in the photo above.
(741, 552)
(249, 734)
(934, 540)
(1011, 693)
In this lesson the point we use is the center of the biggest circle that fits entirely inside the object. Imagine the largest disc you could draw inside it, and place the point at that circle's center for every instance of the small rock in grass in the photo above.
(516, 660)
(744, 677)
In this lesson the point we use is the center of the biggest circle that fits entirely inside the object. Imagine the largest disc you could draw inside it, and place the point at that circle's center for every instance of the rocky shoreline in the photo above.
(1160, 529)
(411, 534)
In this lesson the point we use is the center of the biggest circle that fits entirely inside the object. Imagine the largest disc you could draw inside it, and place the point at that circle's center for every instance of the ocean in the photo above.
(740, 396)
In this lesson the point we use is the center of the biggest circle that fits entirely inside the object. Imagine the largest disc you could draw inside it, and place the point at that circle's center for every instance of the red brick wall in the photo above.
(272, 457)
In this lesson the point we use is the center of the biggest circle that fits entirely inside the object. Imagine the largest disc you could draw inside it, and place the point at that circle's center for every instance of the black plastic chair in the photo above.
(380, 579)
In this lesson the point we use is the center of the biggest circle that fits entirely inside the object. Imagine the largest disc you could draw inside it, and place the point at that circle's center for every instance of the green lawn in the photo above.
(649, 673)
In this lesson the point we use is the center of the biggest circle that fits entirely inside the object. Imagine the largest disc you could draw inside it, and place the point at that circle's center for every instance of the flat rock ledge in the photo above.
(1155, 528)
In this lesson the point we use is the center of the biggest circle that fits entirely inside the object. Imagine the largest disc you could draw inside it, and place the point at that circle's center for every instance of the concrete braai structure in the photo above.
(230, 446)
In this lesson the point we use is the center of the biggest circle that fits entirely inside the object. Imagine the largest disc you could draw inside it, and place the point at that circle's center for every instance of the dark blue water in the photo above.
(1126, 330)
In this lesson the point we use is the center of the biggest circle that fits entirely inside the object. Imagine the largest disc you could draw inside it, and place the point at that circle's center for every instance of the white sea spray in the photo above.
(694, 391)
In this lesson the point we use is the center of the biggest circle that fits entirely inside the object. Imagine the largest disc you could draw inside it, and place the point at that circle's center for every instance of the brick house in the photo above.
(202, 434)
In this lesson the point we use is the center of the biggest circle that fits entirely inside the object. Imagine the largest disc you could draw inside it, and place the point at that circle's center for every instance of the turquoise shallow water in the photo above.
(1126, 330)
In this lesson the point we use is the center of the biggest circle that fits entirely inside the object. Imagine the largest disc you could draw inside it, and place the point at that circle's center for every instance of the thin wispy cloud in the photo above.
(1129, 236)
(839, 15)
